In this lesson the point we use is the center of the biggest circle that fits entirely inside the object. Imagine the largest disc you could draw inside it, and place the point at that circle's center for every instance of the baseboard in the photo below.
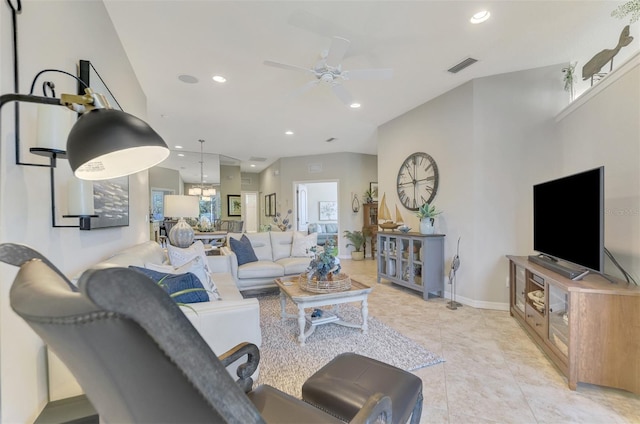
(496, 306)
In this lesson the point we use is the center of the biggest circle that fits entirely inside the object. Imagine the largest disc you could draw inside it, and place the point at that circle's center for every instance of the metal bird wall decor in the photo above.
(592, 67)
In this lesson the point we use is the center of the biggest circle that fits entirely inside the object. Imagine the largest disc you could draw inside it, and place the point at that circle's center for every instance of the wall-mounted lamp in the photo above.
(103, 143)
(80, 202)
(355, 204)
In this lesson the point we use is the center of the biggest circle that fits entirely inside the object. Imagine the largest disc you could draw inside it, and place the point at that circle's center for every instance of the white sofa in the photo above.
(223, 323)
(274, 252)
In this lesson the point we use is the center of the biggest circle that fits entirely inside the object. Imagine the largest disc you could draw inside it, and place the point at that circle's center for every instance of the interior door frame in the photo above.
(307, 182)
(243, 213)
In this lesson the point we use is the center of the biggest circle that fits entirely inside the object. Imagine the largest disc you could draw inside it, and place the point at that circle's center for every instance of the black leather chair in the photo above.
(138, 357)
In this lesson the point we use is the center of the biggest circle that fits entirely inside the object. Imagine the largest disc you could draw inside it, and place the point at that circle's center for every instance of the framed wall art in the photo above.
(270, 204)
(328, 211)
(234, 205)
(111, 203)
(373, 187)
(111, 197)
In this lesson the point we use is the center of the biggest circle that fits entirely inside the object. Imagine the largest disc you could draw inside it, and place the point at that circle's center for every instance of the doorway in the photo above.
(316, 203)
(250, 211)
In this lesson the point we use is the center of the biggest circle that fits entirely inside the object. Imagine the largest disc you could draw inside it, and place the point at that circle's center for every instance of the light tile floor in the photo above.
(493, 373)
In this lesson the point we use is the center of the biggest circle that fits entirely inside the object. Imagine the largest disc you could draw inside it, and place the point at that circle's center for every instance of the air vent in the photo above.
(330, 139)
(257, 159)
(314, 168)
(245, 181)
(460, 66)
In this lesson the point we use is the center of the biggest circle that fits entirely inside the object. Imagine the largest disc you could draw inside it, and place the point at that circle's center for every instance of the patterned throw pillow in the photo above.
(179, 256)
(173, 283)
(243, 250)
(302, 243)
(195, 266)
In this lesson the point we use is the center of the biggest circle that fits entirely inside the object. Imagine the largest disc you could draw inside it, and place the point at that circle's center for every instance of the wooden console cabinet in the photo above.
(590, 329)
(370, 226)
(412, 260)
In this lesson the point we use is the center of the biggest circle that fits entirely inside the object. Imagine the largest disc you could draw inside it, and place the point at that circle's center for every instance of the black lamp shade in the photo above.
(110, 143)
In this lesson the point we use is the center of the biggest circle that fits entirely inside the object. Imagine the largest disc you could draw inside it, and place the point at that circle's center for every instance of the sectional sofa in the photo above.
(324, 231)
(222, 323)
(278, 254)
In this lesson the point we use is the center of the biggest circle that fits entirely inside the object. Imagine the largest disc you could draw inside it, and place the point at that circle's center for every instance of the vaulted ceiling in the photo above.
(245, 118)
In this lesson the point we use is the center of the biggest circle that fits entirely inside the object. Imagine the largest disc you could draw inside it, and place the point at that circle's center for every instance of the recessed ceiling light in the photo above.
(253, 165)
(289, 132)
(178, 147)
(189, 79)
(355, 105)
(480, 17)
(181, 155)
(219, 78)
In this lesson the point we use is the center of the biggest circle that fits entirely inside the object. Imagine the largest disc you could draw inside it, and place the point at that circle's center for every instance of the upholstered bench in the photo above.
(343, 386)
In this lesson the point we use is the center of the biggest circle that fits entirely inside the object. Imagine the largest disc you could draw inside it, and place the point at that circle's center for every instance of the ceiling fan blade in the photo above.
(303, 89)
(288, 67)
(337, 50)
(342, 93)
(368, 74)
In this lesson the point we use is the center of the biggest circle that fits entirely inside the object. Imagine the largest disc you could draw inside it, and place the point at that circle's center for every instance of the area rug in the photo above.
(285, 364)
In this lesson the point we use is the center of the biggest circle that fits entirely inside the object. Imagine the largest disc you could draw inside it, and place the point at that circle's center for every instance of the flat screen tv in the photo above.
(568, 219)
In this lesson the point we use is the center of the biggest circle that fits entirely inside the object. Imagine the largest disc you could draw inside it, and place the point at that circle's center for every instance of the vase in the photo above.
(426, 226)
(357, 256)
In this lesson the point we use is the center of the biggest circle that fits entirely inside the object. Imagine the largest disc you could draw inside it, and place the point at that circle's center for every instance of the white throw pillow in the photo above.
(179, 256)
(196, 267)
(302, 244)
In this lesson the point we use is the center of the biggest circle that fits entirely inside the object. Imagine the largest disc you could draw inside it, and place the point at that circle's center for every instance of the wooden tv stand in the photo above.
(590, 329)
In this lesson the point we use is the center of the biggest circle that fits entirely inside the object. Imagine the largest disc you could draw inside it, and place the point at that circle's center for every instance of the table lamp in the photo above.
(176, 206)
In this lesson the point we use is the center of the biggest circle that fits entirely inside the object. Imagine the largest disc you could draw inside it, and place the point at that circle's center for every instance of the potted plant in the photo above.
(356, 239)
(368, 196)
(427, 214)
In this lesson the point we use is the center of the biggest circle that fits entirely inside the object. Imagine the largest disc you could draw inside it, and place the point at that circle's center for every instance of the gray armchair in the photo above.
(138, 357)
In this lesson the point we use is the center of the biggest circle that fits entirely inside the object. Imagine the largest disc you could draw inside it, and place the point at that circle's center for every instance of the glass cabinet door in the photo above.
(519, 294)
(559, 319)
(410, 260)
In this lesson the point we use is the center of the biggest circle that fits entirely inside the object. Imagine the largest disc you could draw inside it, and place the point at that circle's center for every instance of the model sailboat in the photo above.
(385, 216)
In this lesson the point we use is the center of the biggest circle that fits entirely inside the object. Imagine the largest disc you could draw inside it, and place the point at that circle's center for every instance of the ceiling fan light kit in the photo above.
(328, 70)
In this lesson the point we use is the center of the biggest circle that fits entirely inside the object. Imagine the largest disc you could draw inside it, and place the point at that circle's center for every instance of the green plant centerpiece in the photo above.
(427, 214)
(323, 273)
(357, 240)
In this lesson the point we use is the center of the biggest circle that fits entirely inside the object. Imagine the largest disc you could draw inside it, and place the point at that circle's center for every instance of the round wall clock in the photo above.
(417, 180)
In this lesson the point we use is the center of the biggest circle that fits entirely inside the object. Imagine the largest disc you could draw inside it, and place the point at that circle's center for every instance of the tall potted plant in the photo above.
(427, 214)
(356, 239)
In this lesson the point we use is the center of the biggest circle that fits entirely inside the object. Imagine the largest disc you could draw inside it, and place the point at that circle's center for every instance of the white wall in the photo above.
(53, 35)
(320, 192)
(479, 135)
(165, 178)
(605, 130)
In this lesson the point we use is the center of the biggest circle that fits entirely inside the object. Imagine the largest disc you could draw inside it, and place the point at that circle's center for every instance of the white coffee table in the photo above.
(289, 288)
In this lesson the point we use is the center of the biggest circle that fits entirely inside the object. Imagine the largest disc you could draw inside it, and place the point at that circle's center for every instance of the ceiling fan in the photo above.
(328, 70)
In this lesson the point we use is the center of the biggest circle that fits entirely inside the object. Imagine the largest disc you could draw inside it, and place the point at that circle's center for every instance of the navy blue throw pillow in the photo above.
(174, 283)
(243, 250)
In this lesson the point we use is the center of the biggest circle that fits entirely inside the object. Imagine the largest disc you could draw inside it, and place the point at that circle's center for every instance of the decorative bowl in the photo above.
(404, 229)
